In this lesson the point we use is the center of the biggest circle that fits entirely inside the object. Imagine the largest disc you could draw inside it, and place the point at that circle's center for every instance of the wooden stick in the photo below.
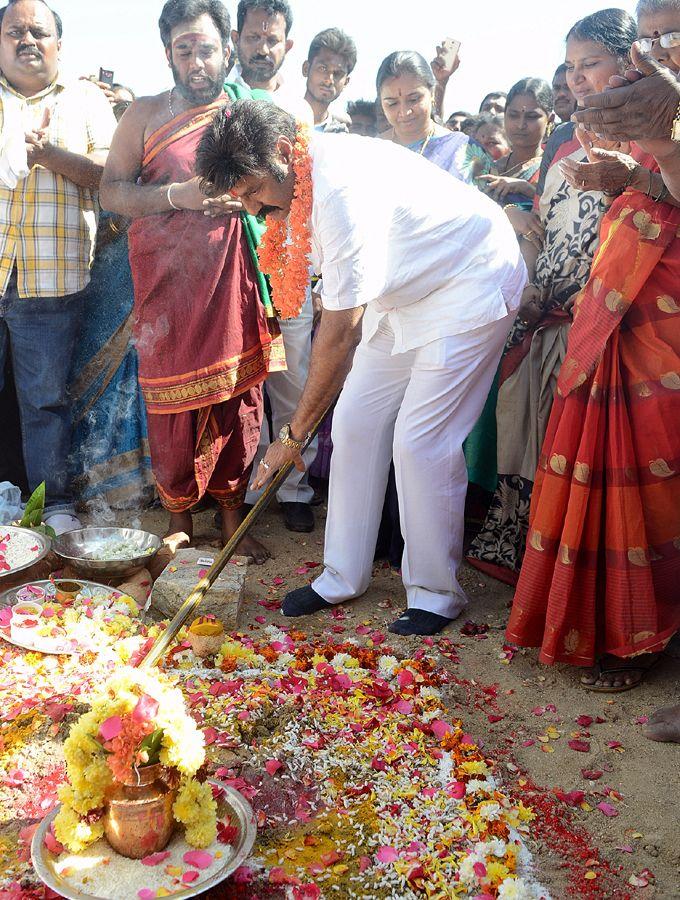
(190, 606)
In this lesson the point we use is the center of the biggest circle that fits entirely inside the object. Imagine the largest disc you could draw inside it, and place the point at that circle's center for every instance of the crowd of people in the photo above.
(153, 352)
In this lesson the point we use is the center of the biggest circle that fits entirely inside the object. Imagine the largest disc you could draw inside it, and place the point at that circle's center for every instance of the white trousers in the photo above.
(284, 390)
(417, 407)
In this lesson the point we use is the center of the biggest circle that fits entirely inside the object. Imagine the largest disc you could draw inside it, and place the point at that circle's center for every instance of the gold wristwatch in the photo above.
(675, 127)
(288, 441)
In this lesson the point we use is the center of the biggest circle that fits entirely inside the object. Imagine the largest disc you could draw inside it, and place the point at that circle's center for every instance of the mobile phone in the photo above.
(452, 47)
(106, 76)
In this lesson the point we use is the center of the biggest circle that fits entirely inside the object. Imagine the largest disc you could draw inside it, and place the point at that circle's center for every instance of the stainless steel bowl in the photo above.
(41, 540)
(78, 547)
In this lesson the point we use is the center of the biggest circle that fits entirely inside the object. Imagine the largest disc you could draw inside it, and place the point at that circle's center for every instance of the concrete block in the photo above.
(181, 575)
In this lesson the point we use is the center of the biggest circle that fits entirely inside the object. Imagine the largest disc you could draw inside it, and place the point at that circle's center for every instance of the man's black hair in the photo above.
(362, 108)
(271, 7)
(494, 95)
(57, 17)
(177, 11)
(335, 40)
(240, 142)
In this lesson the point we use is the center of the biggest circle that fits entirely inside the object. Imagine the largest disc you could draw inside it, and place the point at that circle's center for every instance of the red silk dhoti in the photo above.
(202, 334)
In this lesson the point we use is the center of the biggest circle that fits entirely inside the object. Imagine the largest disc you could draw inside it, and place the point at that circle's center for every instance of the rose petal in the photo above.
(440, 729)
(111, 728)
(209, 735)
(15, 778)
(146, 709)
(53, 844)
(580, 746)
(272, 766)
(456, 790)
(387, 855)
(190, 876)
(405, 678)
(607, 809)
(57, 711)
(243, 875)
(155, 859)
(199, 858)
(146, 894)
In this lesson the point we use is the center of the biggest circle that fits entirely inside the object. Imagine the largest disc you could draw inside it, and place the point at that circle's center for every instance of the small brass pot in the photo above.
(138, 820)
(67, 591)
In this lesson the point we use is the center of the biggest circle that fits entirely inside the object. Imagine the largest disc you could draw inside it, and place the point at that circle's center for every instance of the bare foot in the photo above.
(253, 549)
(612, 674)
(664, 725)
(180, 531)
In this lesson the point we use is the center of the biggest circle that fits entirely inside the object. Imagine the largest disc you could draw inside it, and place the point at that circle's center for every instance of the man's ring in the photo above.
(265, 466)
(583, 183)
(528, 235)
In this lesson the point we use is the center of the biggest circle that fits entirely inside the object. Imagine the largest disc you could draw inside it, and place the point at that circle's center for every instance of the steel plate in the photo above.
(41, 539)
(240, 813)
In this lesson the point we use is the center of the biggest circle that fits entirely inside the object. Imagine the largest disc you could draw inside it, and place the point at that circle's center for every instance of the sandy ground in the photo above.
(525, 714)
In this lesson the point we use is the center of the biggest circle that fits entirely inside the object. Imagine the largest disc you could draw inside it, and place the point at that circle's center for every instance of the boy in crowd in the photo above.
(363, 118)
(331, 59)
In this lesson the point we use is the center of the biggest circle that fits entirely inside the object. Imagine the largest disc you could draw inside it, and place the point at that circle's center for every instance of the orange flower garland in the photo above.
(285, 248)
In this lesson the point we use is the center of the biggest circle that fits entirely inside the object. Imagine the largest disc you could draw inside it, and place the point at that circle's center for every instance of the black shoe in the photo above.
(298, 517)
(419, 621)
(303, 602)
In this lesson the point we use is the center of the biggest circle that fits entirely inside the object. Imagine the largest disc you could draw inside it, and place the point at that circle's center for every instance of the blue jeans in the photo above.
(40, 335)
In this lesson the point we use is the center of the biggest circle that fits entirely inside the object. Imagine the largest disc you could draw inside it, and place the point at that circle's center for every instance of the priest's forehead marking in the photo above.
(195, 37)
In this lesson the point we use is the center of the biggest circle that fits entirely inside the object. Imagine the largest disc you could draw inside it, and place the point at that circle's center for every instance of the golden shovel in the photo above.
(190, 606)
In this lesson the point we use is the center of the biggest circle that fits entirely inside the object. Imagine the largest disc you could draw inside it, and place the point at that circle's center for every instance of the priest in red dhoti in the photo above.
(201, 315)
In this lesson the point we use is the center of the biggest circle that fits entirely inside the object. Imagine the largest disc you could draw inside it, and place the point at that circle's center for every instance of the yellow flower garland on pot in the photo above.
(88, 763)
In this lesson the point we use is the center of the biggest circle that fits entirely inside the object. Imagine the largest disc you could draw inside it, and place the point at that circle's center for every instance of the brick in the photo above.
(223, 600)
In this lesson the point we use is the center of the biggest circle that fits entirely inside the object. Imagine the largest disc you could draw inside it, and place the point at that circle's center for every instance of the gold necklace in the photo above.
(427, 141)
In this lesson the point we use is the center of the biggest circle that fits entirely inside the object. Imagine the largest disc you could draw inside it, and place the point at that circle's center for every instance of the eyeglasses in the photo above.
(667, 41)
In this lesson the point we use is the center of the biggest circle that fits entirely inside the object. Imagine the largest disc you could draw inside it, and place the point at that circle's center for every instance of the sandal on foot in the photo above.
(637, 665)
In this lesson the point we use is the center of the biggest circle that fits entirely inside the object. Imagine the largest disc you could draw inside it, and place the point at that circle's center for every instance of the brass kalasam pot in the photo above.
(138, 820)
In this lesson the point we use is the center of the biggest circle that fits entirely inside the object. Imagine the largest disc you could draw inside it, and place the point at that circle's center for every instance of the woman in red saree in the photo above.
(601, 571)
(601, 574)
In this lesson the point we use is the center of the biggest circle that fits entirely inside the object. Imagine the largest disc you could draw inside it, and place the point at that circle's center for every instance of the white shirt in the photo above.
(394, 231)
(284, 97)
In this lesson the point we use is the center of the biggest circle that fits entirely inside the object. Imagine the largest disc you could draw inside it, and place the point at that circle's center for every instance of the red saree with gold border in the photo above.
(201, 330)
(601, 572)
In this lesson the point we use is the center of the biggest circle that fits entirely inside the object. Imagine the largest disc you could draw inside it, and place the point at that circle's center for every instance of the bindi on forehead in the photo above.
(261, 22)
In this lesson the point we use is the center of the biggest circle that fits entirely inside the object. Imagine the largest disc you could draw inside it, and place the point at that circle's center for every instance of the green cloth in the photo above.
(253, 228)
(480, 447)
